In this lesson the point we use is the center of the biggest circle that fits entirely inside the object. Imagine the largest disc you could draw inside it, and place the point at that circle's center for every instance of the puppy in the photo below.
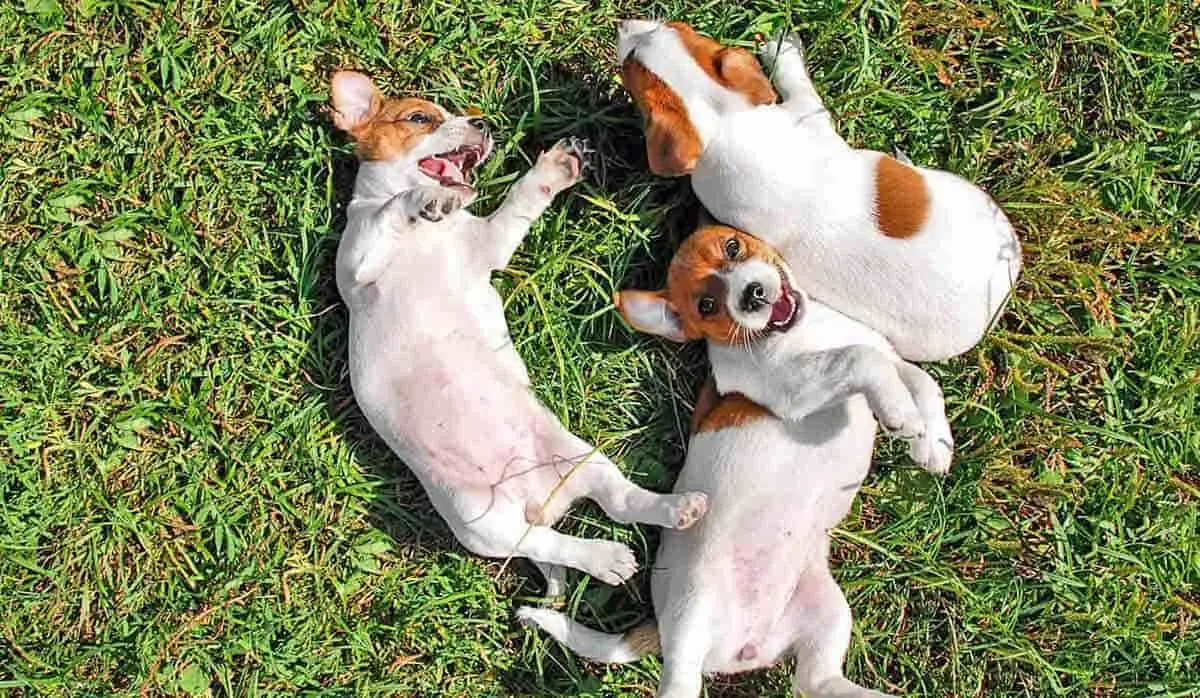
(751, 582)
(920, 255)
(431, 362)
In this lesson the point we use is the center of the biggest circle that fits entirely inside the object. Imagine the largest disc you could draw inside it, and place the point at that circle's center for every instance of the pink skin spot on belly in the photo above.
(748, 653)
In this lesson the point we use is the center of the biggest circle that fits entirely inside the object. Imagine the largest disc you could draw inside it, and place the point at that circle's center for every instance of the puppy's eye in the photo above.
(419, 117)
(707, 306)
(732, 248)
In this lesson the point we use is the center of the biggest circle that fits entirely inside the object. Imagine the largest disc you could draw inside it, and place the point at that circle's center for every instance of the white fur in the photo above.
(437, 376)
(751, 583)
(781, 172)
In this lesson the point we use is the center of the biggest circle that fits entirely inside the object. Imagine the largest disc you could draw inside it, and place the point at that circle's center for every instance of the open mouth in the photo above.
(785, 311)
(453, 169)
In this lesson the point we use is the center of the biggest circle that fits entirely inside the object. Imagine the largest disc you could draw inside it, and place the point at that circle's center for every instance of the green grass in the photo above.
(190, 502)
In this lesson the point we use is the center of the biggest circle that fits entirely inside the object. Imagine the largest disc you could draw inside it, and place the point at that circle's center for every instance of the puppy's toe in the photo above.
(941, 454)
(529, 616)
(612, 563)
(570, 154)
(794, 41)
(932, 453)
(689, 508)
(781, 42)
(904, 424)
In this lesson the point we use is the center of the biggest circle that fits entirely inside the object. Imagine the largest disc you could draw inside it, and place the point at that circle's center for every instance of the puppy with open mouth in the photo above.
(431, 362)
(751, 583)
(922, 255)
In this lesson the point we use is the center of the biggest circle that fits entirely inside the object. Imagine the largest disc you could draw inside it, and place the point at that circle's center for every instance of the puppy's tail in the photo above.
(593, 644)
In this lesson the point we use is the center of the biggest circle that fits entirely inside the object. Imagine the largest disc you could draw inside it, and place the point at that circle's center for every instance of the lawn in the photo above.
(190, 502)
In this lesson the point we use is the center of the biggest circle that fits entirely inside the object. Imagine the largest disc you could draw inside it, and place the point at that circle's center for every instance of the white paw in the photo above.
(780, 45)
(934, 449)
(901, 420)
(530, 616)
(561, 166)
(688, 508)
(610, 562)
(435, 203)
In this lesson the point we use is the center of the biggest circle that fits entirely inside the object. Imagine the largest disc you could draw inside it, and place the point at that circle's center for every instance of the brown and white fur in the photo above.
(431, 362)
(921, 255)
(750, 584)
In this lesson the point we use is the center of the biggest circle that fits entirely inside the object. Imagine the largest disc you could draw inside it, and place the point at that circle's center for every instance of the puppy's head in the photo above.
(443, 147)
(683, 82)
(724, 286)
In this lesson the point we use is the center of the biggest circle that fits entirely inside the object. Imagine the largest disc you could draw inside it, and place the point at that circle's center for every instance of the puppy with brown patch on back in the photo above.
(921, 255)
(781, 465)
(431, 362)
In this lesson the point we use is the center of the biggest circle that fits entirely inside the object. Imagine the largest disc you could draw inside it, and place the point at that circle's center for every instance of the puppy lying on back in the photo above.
(750, 583)
(431, 362)
(922, 256)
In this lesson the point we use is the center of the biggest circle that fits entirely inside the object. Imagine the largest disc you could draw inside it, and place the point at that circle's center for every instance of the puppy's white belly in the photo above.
(932, 295)
(435, 375)
(775, 489)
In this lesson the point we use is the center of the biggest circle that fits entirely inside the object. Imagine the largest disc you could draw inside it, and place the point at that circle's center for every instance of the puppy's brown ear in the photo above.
(672, 144)
(740, 71)
(355, 98)
(650, 312)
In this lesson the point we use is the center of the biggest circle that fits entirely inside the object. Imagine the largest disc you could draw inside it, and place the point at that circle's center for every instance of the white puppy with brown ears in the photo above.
(750, 583)
(431, 363)
(921, 255)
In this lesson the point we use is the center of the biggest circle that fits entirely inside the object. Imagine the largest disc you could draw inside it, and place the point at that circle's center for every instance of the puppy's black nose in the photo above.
(754, 296)
(478, 123)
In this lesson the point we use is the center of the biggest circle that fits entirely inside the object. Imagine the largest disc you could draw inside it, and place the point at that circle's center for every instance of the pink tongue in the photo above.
(433, 166)
(782, 308)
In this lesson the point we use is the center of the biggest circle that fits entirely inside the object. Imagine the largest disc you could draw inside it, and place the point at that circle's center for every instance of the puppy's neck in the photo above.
(380, 180)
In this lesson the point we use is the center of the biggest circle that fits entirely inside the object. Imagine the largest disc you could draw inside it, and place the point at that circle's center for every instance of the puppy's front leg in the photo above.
(784, 55)
(934, 449)
(378, 240)
(811, 381)
(556, 169)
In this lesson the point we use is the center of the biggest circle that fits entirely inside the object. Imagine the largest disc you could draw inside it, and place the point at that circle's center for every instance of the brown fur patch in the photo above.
(672, 144)
(731, 411)
(644, 639)
(692, 273)
(384, 130)
(706, 399)
(901, 198)
(389, 134)
(735, 68)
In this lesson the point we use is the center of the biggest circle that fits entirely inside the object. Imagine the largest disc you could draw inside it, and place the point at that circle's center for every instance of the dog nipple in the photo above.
(748, 653)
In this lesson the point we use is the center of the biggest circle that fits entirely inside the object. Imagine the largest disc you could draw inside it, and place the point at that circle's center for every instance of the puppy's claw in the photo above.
(582, 150)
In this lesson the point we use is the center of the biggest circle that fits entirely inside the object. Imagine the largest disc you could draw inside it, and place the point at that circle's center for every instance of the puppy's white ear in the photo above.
(648, 311)
(356, 100)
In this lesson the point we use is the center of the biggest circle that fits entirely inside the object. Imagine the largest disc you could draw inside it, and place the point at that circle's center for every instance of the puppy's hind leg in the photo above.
(824, 637)
(505, 533)
(599, 479)
(685, 644)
